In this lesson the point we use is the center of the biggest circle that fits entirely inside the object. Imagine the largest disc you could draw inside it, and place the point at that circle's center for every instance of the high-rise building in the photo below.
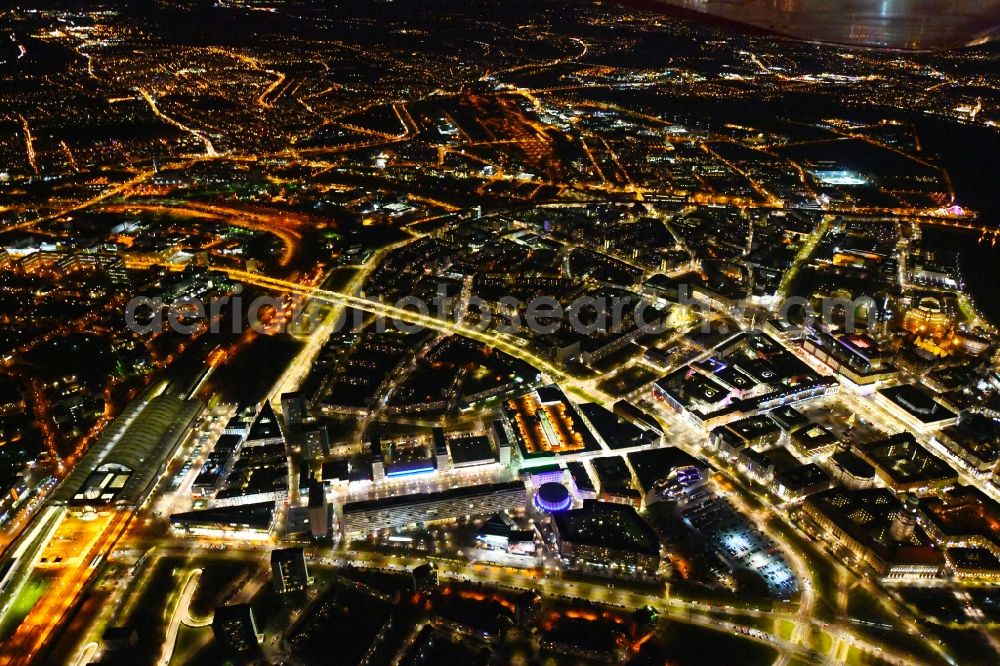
(425, 578)
(375, 451)
(293, 410)
(265, 429)
(528, 607)
(502, 443)
(905, 521)
(440, 449)
(288, 570)
(235, 629)
(319, 510)
(305, 475)
(116, 271)
(316, 442)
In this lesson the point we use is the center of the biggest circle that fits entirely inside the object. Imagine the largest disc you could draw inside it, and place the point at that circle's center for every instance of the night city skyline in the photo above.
(499, 332)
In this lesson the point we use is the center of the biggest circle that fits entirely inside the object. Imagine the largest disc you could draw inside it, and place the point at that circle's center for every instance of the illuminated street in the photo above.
(499, 333)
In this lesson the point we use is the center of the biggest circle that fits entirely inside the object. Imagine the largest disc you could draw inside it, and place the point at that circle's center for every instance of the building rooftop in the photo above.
(788, 418)
(812, 437)
(762, 370)
(236, 628)
(471, 450)
(691, 388)
(962, 513)
(499, 525)
(265, 425)
(616, 432)
(799, 478)
(136, 444)
(754, 427)
(866, 516)
(972, 558)
(612, 472)
(917, 403)
(336, 470)
(901, 460)
(654, 465)
(227, 444)
(978, 435)
(853, 465)
(385, 503)
(616, 526)
(410, 467)
(581, 478)
(288, 568)
(545, 423)
(257, 516)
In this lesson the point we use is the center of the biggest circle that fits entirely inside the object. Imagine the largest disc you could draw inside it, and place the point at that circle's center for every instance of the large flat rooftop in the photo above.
(654, 465)
(609, 525)
(123, 464)
(903, 462)
(544, 422)
(866, 517)
(963, 514)
(400, 501)
(918, 404)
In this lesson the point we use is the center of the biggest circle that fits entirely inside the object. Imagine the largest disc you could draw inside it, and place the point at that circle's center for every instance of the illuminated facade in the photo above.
(963, 517)
(607, 538)
(927, 319)
(553, 497)
(542, 425)
(862, 521)
(545, 427)
(369, 516)
(854, 357)
(904, 465)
